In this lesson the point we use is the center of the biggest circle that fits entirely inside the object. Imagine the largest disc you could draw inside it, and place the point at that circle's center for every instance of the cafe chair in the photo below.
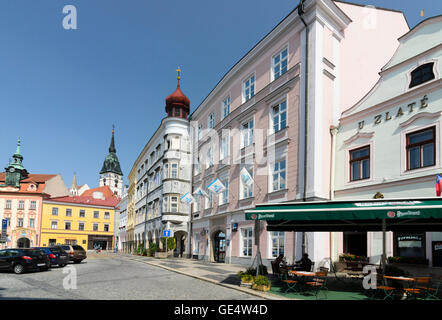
(291, 282)
(433, 290)
(419, 289)
(319, 283)
(383, 288)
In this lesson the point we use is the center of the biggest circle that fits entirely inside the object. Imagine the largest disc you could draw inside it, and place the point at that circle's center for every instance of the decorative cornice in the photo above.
(417, 116)
(359, 135)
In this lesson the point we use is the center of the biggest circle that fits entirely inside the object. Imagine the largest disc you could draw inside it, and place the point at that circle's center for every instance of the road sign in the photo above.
(166, 233)
(4, 227)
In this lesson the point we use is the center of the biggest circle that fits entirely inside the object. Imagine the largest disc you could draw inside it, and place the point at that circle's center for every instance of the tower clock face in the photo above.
(11, 169)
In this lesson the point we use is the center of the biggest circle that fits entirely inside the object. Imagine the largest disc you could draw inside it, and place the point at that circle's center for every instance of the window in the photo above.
(247, 133)
(81, 226)
(174, 171)
(106, 228)
(95, 227)
(248, 88)
(68, 212)
(360, 163)
(174, 204)
(246, 188)
(31, 222)
(209, 158)
(54, 225)
(166, 171)
(20, 222)
(197, 166)
(82, 213)
(277, 243)
(166, 204)
(224, 196)
(226, 107)
(55, 211)
(211, 120)
(196, 204)
(225, 146)
(421, 149)
(279, 116)
(96, 214)
(422, 74)
(279, 175)
(9, 221)
(21, 204)
(157, 178)
(67, 225)
(33, 205)
(247, 236)
(106, 215)
(8, 204)
(208, 199)
(200, 131)
(279, 63)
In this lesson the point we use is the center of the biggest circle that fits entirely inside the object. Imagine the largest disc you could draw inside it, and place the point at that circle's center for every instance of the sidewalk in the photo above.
(217, 273)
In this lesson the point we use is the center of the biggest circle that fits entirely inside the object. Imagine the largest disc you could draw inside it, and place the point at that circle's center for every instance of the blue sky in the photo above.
(61, 90)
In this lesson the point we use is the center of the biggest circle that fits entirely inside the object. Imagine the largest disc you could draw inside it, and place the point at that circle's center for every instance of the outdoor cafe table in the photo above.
(302, 274)
(407, 279)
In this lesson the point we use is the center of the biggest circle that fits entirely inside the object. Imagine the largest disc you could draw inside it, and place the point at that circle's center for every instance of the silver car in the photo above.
(76, 253)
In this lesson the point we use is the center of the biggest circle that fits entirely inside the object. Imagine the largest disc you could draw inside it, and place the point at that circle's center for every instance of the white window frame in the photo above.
(70, 225)
(174, 204)
(81, 223)
(32, 225)
(54, 223)
(211, 120)
(243, 188)
(251, 87)
(225, 107)
(278, 115)
(172, 164)
(224, 196)
(225, 147)
(278, 172)
(21, 204)
(247, 135)
(209, 157)
(93, 227)
(33, 205)
(208, 200)
(200, 131)
(166, 204)
(248, 237)
(279, 63)
(54, 211)
(278, 238)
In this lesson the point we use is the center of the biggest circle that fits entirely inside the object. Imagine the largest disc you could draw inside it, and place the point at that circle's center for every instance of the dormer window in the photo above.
(422, 74)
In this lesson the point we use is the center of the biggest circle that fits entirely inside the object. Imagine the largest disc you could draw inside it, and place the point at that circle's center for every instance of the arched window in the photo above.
(422, 74)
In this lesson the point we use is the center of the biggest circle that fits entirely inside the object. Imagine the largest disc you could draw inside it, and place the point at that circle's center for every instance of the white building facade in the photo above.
(389, 143)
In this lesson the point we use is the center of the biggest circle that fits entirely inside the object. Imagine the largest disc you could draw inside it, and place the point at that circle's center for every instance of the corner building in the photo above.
(271, 115)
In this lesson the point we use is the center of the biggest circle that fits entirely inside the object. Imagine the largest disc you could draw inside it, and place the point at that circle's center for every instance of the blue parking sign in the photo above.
(4, 224)
(166, 233)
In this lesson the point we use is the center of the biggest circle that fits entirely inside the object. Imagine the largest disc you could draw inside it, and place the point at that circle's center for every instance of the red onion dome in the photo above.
(178, 98)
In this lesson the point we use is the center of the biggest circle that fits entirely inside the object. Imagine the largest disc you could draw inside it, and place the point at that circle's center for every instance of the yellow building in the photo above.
(87, 221)
(131, 210)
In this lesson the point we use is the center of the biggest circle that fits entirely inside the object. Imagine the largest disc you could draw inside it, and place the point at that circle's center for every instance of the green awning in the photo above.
(423, 214)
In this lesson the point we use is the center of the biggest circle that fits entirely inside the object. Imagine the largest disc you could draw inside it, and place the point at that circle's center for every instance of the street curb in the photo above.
(268, 296)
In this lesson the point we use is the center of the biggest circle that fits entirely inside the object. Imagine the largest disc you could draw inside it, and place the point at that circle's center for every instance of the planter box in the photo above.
(246, 284)
(163, 255)
(260, 288)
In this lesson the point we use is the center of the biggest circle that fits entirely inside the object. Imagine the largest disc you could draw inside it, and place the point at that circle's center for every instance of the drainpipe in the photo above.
(301, 13)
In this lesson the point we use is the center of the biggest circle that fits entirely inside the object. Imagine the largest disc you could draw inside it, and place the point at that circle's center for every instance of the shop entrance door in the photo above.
(220, 247)
(355, 243)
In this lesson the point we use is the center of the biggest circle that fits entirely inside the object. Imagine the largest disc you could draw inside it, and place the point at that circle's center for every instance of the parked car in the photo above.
(76, 253)
(20, 260)
(56, 255)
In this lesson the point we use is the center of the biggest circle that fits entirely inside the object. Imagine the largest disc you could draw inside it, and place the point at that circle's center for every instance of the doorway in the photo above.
(355, 243)
(220, 247)
(23, 243)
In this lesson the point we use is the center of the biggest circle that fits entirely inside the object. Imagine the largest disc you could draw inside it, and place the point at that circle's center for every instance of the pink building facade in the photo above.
(269, 118)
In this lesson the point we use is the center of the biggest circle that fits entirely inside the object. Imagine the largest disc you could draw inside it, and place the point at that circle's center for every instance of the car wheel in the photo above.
(62, 265)
(44, 269)
(18, 269)
(77, 261)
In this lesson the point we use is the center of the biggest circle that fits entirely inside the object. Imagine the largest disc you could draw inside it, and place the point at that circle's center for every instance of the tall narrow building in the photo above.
(111, 174)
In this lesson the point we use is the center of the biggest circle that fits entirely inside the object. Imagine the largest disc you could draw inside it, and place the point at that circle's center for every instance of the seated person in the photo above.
(305, 264)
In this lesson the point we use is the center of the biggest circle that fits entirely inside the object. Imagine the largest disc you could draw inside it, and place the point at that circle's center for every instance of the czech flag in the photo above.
(438, 185)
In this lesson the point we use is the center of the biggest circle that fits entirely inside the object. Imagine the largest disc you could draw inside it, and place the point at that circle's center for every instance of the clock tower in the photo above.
(15, 172)
(111, 174)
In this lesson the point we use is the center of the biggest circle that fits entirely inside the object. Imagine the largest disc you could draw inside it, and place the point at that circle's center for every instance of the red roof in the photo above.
(178, 97)
(105, 190)
(112, 202)
(37, 179)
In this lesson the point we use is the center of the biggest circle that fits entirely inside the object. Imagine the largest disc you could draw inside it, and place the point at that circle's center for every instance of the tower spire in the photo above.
(179, 76)
(112, 144)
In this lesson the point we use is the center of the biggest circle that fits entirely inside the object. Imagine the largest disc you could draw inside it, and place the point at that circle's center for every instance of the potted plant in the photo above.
(152, 249)
(261, 283)
(246, 279)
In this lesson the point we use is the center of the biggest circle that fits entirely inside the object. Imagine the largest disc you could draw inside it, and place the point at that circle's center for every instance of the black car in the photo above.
(20, 260)
(76, 253)
(56, 255)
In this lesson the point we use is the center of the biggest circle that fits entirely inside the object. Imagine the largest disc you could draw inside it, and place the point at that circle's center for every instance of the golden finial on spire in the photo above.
(422, 12)
(179, 73)
(113, 128)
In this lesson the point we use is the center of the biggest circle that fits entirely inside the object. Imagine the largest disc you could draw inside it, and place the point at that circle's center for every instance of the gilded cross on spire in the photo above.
(179, 75)
(113, 128)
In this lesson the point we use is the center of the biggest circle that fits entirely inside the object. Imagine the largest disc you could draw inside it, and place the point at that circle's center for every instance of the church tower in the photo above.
(111, 174)
(15, 172)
